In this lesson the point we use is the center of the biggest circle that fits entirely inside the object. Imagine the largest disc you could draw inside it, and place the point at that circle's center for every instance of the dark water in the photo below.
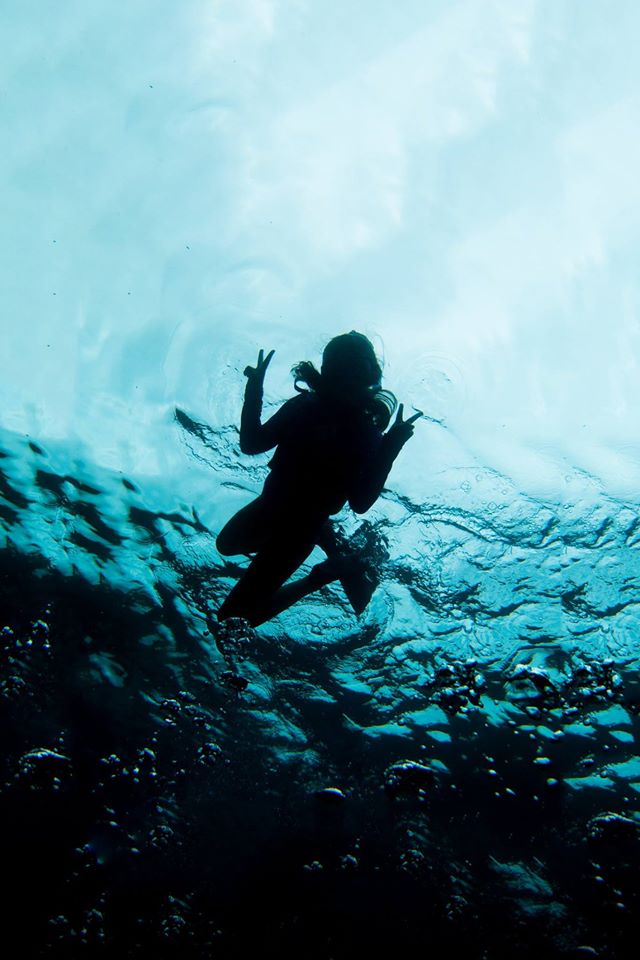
(456, 771)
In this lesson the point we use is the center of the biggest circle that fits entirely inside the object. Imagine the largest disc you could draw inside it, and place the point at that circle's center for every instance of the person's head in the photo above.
(350, 373)
(349, 363)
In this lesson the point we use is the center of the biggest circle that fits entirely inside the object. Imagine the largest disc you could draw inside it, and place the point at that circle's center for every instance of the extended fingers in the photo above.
(410, 420)
(263, 362)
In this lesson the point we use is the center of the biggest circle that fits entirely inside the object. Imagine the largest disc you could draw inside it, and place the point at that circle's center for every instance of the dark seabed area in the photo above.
(456, 771)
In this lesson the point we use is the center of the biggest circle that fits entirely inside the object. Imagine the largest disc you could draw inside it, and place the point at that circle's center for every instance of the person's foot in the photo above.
(335, 568)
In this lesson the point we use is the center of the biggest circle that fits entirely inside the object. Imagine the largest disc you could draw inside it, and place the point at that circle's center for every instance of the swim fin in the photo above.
(359, 587)
(368, 547)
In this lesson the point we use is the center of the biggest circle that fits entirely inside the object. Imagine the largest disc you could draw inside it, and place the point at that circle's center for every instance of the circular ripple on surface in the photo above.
(432, 383)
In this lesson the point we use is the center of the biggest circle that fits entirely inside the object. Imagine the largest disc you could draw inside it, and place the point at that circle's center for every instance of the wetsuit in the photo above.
(327, 454)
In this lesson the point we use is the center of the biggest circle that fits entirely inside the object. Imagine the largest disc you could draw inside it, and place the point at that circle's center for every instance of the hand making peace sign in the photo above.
(256, 374)
(401, 429)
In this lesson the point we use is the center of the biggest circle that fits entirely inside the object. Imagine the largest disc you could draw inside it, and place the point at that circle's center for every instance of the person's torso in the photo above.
(322, 452)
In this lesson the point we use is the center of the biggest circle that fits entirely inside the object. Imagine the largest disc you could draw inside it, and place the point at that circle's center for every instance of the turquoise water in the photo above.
(471, 739)
(183, 185)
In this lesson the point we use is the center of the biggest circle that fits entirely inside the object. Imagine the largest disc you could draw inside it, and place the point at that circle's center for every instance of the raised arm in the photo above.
(256, 437)
(374, 475)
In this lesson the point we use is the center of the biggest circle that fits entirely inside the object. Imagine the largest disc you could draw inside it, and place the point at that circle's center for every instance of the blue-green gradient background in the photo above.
(184, 183)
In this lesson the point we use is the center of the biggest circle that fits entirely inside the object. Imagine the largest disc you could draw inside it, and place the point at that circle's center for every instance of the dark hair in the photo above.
(349, 357)
(305, 372)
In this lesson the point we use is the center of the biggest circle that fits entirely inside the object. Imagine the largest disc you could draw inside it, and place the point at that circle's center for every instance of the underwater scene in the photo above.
(432, 748)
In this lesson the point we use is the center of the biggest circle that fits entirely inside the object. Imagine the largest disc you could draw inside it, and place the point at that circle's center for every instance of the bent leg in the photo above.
(263, 591)
(246, 531)
(335, 568)
(254, 595)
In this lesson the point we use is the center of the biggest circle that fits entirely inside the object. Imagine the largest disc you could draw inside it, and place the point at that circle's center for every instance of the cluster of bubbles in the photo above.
(147, 761)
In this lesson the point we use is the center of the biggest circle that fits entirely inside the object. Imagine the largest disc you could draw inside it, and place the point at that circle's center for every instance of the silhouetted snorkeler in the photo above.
(330, 450)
